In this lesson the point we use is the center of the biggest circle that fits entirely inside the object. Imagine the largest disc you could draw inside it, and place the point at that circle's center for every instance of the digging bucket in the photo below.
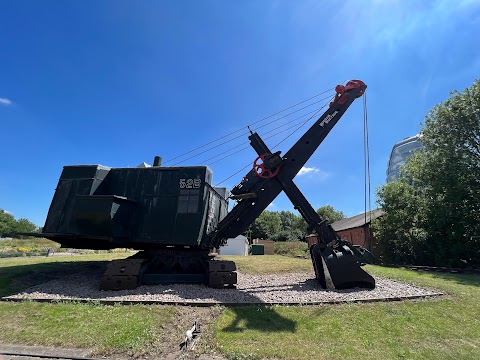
(338, 268)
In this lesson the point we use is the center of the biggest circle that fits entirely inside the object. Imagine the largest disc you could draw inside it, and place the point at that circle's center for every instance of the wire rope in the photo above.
(366, 170)
(265, 138)
(294, 121)
(301, 125)
(228, 178)
(246, 127)
(243, 134)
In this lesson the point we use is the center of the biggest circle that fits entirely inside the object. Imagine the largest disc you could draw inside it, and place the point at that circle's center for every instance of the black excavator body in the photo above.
(176, 218)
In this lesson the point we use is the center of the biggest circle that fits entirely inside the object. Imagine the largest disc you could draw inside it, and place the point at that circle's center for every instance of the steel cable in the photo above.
(246, 143)
(254, 123)
(366, 170)
(243, 134)
(249, 164)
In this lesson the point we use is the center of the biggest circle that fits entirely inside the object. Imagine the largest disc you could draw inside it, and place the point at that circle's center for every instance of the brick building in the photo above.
(358, 231)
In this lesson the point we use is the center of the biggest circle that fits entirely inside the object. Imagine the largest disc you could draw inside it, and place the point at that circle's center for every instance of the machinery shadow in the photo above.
(462, 279)
(260, 318)
(254, 314)
(19, 278)
(82, 280)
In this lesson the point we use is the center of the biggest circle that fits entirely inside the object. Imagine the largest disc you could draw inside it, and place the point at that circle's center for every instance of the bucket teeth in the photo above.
(339, 269)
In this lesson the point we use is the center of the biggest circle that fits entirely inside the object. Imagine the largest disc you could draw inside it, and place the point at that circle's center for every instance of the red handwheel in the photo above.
(261, 170)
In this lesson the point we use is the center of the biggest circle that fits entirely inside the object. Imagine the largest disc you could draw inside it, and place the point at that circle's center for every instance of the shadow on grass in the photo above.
(260, 318)
(461, 279)
(17, 278)
(20, 278)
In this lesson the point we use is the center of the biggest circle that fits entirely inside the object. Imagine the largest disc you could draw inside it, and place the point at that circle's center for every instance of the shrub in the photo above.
(291, 248)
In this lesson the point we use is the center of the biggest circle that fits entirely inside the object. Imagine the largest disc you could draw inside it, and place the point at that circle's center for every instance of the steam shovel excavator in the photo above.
(175, 217)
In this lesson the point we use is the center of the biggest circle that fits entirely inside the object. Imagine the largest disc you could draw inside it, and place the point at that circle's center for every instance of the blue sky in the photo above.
(118, 82)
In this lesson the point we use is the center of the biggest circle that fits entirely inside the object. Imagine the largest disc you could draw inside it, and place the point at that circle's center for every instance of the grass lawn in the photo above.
(270, 264)
(445, 328)
(105, 329)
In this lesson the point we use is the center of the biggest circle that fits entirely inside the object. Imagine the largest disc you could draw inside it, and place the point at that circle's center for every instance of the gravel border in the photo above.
(282, 289)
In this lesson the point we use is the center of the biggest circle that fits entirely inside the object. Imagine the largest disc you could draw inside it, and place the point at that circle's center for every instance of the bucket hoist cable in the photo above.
(366, 169)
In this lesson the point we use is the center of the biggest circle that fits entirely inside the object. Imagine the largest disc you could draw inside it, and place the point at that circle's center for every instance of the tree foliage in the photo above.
(7, 224)
(267, 225)
(329, 213)
(25, 226)
(287, 226)
(432, 213)
(9, 227)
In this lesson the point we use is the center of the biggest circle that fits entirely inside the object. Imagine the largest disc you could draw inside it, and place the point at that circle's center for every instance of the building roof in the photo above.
(356, 221)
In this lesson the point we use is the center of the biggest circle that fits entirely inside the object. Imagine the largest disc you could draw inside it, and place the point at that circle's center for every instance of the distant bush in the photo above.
(33, 243)
(291, 248)
(27, 247)
(10, 253)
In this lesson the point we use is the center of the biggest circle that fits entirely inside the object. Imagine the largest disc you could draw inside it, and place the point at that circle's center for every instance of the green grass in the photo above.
(129, 330)
(446, 328)
(105, 329)
(270, 264)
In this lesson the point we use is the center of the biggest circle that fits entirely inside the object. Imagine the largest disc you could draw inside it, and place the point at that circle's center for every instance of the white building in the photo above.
(235, 246)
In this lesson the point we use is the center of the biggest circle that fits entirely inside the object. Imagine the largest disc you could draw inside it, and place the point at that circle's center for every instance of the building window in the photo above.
(188, 201)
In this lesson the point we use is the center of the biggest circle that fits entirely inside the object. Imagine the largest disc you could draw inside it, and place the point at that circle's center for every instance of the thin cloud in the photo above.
(313, 173)
(271, 205)
(5, 101)
(306, 170)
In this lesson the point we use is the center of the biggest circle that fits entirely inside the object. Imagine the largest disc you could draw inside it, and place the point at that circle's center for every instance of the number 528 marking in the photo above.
(190, 183)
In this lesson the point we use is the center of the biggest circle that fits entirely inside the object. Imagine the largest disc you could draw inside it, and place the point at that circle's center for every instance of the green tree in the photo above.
(24, 226)
(329, 213)
(290, 230)
(300, 225)
(9, 227)
(7, 224)
(288, 219)
(400, 227)
(441, 185)
(267, 226)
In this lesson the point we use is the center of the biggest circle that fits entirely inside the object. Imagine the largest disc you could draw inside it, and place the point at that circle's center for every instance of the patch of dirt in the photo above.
(172, 346)
(170, 343)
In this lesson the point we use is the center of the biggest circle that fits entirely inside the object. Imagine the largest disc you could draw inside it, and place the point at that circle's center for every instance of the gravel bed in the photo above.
(291, 288)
